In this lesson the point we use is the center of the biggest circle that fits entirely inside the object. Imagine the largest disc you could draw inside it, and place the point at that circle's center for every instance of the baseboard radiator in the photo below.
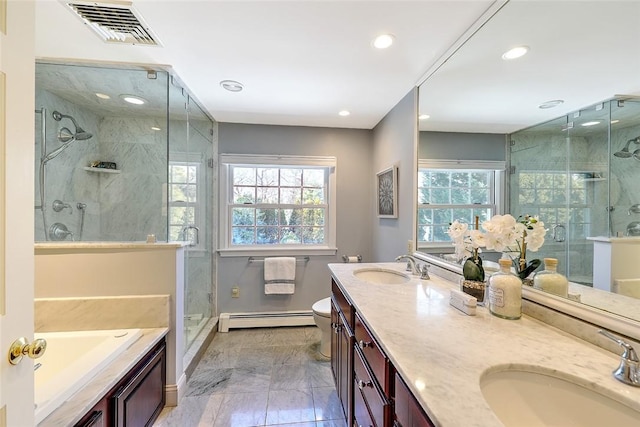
(265, 319)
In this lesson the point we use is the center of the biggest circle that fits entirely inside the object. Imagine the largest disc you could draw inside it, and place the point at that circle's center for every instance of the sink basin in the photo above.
(527, 398)
(381, 275)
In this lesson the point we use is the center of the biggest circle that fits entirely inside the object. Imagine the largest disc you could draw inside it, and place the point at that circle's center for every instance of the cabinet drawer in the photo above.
(372, 353)
(342, 303)
(379, 406)
(361, 412)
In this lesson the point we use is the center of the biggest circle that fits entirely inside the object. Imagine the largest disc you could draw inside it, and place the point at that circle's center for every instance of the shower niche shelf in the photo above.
(101, 170)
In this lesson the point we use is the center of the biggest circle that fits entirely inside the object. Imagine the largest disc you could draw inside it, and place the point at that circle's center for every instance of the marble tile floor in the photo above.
(260, 377)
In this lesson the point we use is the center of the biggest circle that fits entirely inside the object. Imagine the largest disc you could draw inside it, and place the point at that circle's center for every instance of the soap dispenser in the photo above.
(505, 292)
(549, 280)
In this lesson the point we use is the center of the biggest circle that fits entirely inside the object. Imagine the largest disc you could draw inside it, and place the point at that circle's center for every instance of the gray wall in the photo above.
(462, 146)
(352, 148)
(395, 142)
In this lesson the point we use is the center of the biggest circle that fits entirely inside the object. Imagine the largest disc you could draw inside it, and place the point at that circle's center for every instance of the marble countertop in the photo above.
(441, 353)
(81, 402)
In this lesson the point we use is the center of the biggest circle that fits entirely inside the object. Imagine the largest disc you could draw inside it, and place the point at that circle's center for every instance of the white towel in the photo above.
(279, 275)
(628, 287)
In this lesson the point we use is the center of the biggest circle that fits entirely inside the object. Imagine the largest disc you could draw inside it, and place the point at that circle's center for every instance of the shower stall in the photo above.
(579, 173)
(124, 153)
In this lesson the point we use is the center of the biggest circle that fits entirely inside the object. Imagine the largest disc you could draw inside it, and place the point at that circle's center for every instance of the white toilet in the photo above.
(322, 317)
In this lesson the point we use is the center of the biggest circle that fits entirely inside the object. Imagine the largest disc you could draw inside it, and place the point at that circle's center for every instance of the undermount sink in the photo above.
(527, 398)
(381, 275)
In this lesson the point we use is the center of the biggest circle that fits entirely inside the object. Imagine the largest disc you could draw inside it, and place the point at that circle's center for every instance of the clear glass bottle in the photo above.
(505, 292)
(549, 280)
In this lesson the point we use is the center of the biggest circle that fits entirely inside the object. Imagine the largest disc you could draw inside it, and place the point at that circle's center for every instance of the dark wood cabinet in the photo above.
(371, 392)
(137, 399)
(342, 349)
(408, 412)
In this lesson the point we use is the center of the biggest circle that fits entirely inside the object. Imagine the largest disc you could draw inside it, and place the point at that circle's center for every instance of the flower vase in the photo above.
(475, 288)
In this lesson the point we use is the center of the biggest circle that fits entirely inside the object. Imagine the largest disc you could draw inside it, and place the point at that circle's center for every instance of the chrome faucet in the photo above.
(414, 267)
(628, 371)
(411, 263)
(59, 206)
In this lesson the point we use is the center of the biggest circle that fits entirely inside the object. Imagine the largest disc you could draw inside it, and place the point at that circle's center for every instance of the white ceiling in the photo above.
(582, 52)
(303, 61)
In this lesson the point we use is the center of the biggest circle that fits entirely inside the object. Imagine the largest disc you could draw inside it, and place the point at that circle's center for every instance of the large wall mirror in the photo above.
(547, 134)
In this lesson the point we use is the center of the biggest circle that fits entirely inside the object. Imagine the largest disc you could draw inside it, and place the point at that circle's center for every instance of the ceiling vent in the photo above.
(114, 22)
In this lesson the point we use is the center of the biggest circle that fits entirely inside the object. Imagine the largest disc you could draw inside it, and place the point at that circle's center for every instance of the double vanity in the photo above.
(402, 355)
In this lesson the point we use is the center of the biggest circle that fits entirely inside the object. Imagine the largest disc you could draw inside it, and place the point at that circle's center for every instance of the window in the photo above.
(557, 197)
(277, 203)
(186, 204)
(459, 190)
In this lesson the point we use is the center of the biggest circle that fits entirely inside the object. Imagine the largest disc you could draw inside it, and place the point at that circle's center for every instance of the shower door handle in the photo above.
(559, 233)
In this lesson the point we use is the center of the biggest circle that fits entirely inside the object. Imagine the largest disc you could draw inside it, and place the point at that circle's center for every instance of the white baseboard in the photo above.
(174, 392)
(265, 319)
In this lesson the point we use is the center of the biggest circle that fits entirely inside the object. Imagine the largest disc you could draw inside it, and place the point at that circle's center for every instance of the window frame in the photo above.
(498, 187)
(228, 161)
(188, 159)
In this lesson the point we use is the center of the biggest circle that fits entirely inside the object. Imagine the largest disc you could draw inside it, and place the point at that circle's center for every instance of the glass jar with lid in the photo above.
(505, 292)
(549, 280)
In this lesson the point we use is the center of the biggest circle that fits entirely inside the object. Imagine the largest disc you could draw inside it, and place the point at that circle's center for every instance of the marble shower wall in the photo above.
(66, 180)
(133, 203)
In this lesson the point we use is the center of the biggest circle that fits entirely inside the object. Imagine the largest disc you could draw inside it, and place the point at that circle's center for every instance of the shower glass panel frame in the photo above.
(190, 208)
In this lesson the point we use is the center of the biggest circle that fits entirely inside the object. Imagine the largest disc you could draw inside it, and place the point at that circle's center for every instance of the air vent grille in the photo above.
(114, 23)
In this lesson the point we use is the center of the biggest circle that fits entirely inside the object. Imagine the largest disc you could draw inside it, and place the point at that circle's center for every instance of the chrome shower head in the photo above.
(624, 153)
(79, 135)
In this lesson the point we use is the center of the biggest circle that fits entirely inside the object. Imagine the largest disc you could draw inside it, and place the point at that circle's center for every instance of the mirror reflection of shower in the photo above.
(66, 137)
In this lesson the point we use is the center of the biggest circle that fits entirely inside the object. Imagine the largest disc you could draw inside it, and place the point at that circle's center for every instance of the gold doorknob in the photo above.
(21, 347)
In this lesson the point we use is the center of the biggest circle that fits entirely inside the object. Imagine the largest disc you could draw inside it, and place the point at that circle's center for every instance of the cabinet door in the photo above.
(408, 412)
(335, 351)
(345, 385)
(141, 399)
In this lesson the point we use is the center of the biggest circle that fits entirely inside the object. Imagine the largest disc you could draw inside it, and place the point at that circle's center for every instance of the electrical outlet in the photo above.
(409, 246)
(235, 292)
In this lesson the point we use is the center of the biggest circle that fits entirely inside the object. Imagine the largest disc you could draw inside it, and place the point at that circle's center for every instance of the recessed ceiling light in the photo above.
(591, 123)
(613, 122)
(232, 85)
(423, 116)
(102, 95)
(344, 113)
(383, 41)
(132, 99)
(514, 53)
(550, 104)
(155, 128)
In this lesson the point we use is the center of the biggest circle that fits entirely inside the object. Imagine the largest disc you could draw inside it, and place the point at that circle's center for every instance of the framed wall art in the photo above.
(387, 193)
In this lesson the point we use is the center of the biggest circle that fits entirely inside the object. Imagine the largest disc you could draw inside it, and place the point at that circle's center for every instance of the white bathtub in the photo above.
(71, 360)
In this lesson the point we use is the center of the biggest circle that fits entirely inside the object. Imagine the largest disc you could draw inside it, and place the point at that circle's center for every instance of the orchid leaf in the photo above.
(529, 268)
(472, 269)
